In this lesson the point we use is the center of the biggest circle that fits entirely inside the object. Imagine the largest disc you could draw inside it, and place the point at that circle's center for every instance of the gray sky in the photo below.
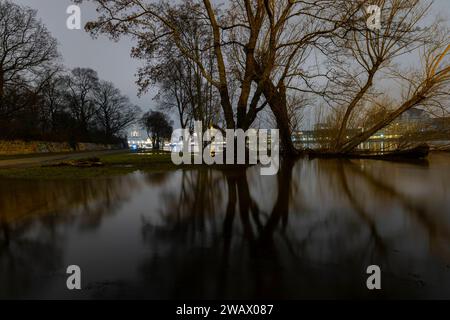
(111, 60)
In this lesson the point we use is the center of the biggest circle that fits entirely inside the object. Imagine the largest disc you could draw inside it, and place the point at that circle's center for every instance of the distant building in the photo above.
(138, 139)
(440, 124)
(412, 120)
(415, 121)
(414, 124)
(321, 126)
(414, 115)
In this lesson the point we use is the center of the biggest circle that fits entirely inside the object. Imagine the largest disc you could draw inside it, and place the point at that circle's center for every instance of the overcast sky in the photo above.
(111, 60)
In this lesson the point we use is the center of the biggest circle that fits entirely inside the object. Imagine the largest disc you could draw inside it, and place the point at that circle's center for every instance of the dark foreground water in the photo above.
(309, 232)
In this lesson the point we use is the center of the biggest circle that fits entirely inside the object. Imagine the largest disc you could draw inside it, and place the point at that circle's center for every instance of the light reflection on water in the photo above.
(309, 232)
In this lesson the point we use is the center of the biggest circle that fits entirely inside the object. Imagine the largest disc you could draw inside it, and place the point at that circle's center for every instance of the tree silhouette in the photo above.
(158, 127)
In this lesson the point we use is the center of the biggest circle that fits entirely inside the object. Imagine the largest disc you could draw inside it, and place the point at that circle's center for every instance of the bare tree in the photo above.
(179, 76)
(173, 93)
(181, 85)
(114, 111)
(26, 50)
(366, 56)
(53, 97)
(264, 49)
(296, 104)
(158, 127)
(257, 44)
(82, 84)
(428, 88)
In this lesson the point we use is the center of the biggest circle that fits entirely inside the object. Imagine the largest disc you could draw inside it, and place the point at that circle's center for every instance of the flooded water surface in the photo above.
(309, 232)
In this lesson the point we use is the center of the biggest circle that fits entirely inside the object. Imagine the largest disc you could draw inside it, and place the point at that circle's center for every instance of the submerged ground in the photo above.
(141, 230)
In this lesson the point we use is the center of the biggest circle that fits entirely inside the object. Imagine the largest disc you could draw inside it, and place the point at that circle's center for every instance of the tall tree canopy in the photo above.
(258, 53)
(26, 51)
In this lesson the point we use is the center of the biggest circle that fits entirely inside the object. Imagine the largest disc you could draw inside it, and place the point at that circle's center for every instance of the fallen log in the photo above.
(79, 163)
(416, 153)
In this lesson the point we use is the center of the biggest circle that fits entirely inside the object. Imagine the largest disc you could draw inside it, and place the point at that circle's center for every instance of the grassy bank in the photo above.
(115, 164)
(32, 155)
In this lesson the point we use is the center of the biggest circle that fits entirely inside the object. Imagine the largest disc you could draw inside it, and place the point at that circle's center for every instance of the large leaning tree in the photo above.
(368, 71)
(27, 50)
(265, 51)
(258, 46)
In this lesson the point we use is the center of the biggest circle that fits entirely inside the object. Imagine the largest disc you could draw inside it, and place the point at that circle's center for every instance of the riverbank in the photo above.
(112, 164)
(116, 163)
(11, 148)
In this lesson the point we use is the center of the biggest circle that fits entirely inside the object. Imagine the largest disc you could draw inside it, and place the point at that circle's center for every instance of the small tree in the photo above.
(158, 127)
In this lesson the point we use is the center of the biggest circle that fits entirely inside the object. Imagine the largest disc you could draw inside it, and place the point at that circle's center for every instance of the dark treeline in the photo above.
(40, 100)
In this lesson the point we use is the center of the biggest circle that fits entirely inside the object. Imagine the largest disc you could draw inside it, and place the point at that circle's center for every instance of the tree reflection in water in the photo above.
(309, 232)
(34, 218)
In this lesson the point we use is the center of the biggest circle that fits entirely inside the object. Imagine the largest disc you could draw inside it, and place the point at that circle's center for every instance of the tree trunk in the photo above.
(355, 141)
(2, 85)
(223, 87)
(278, 104)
